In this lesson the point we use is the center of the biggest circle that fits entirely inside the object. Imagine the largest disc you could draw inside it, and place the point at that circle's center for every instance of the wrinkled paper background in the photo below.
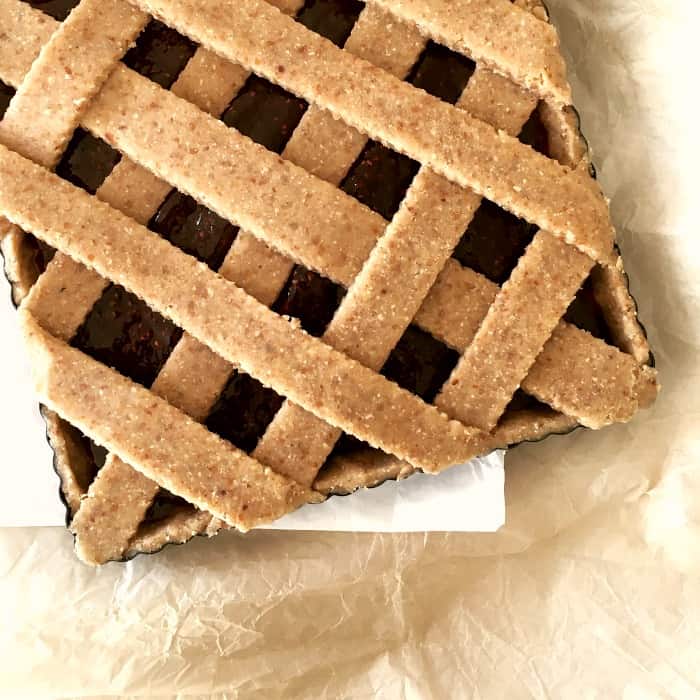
(592, 589)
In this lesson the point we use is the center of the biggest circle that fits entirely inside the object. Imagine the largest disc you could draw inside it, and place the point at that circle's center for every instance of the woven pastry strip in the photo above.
(239, 180)
(612, 293)
(496, 33)
(263, 258)
(180, 378)
(183, 455)
(518, 324)
(68, 290)
(25, 32)
(572, 386)
(391, 287)
(116, 116)
(193, 376)
(118, 498)
(367, 468)
(615, 384)
(463, 149)
(228, 320)
(71, 68)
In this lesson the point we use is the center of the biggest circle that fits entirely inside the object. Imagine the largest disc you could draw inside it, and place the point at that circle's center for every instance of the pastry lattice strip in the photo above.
(473, 83)
(579, 203)
(231, 322)
(68, 303)
(62, 80)
(366, 219)
(379, 306)
(463, 149)
(190, 356)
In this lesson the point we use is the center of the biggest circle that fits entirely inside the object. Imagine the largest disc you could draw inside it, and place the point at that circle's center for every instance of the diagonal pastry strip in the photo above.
(392, 285)
(367, 468)
(58, 86)
(156, 437)
(173, 376)
(171, 137)
(461, 148)
(280, 203)
(274, 257)
(69, 71)
(241, 181)
(118, 498)
(498, 34)
(65, 293)
(319, 144)
(518, 324)
(609, 386)
(228, 320)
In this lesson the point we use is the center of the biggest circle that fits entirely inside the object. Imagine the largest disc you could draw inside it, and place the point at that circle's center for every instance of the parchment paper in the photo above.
(592, 588)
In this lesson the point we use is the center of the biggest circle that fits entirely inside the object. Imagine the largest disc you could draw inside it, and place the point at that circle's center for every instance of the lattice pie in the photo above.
(270, 251)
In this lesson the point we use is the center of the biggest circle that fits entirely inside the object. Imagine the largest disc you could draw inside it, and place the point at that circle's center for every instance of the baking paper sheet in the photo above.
(592, 588)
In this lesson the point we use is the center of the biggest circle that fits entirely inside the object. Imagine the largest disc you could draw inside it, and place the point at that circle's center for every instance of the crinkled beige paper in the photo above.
(592, 590)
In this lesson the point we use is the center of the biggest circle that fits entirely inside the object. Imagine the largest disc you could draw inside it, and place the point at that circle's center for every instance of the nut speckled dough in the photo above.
(71, 68)
(67, 291)
(60, 82)
(582, 376)
(392, 285)
(193, 375)
(169, 447)
(230, 321)
(497, 33)
(458, 146)
(524, 313)
(238, 179)
(55, 86)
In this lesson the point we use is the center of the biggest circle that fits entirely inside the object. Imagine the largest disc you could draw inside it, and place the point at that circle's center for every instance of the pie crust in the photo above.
(511, 336)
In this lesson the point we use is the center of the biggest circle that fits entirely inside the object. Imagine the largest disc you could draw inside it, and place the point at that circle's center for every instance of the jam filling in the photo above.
(194, 228)
(58, 9)
(494, 242)
(420, 363)
(283, 112)
(123, 332)
(442, 72)
(243, 411)
(379, 178)
(160, 53)
(333, 19)
(311, 298)
(164, 505)
(534, 134)
(87, 161)
(6, 94)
